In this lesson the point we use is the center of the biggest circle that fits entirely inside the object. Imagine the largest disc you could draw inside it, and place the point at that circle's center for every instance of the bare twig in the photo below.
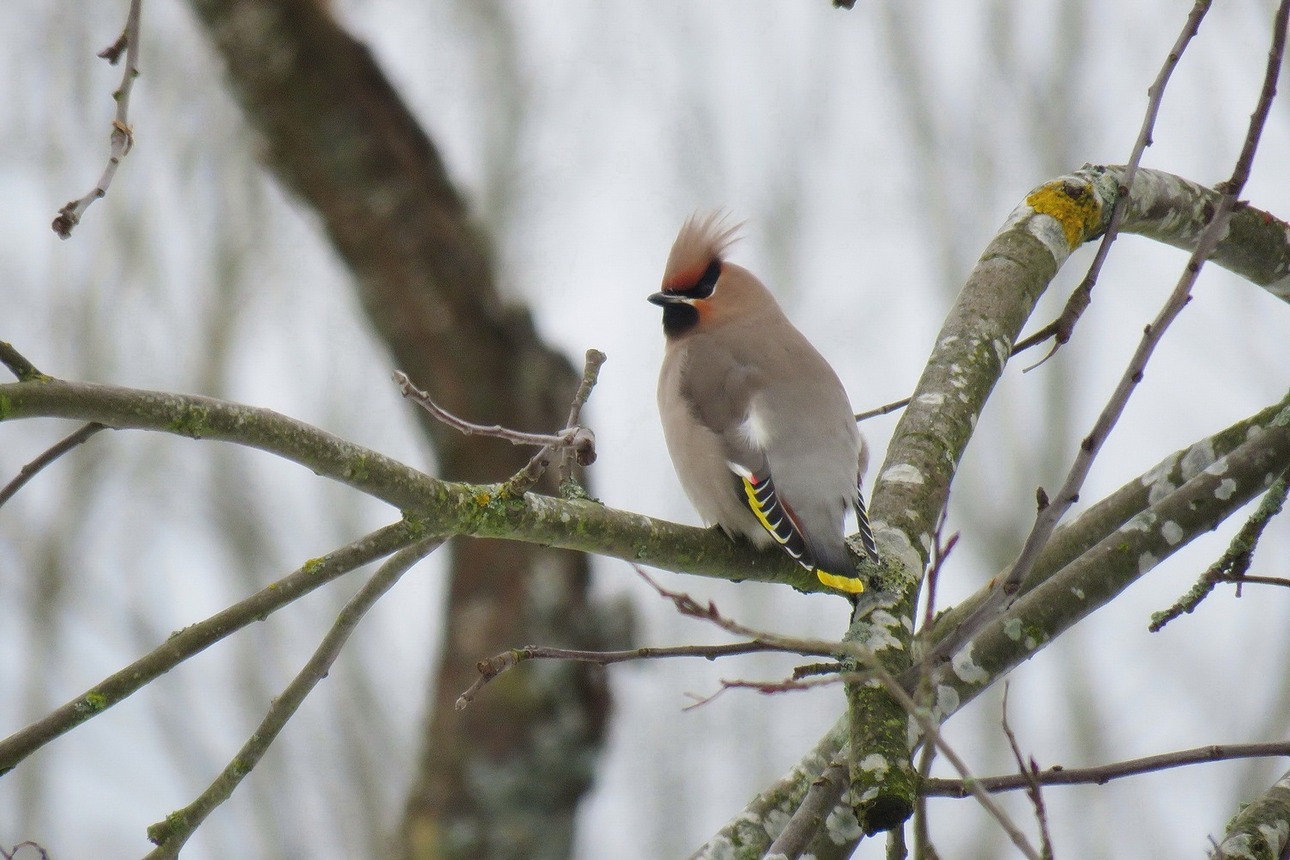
(13, 854)
(29, 471)
(687, 605)
(18, 364)
(590, 374)
(1235, 561)
(794, 685)
(1048, 518)
(888, 408)
(580, 440)
(923, 847)
(1063, 327)
(1102, 774)
(499, 663)
(584, 452)
(941, 549)
(122, 137)
(1029, 770)
(197, 637)
(495, 431)
(882, 410)
(170, 834)
(872, 670)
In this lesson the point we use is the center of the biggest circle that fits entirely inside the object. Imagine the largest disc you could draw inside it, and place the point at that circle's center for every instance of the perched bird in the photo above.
(759, 427)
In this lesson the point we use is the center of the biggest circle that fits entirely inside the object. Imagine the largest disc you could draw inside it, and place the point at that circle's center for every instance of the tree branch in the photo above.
(478, 510)
(1259, 829)
(493, 666)
(122, 137)
(1216, 229)
(1136, 502)
(1102, 774)
(32, 469)
(1235, 561)
(1063, 327)
(197, 637)
(171, 834)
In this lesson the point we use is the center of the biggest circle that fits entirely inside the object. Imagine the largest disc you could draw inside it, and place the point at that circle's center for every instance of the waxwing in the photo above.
(759, 427)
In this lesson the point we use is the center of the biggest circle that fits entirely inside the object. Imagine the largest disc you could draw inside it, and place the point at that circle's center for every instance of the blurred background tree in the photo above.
(284, 234)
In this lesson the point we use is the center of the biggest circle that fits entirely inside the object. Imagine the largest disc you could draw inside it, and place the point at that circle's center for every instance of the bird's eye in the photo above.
(707, 282)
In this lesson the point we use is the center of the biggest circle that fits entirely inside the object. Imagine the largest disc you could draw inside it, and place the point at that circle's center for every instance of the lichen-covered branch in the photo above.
(967, 359)
(1101, 519)
(1175, 517)
(750, 833)
(449, 508)
(1260, 831)
(1136, 498)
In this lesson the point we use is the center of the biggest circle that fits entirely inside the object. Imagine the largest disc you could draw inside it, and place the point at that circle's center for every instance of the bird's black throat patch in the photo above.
(679, 318)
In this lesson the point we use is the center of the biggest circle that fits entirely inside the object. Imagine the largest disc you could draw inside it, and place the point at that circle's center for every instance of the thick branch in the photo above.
(1258, 831)
(450, 508)
(1137, 497)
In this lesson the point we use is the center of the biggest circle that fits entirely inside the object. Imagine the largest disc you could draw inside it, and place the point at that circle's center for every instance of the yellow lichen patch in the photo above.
(482, 498)
(1075, 207)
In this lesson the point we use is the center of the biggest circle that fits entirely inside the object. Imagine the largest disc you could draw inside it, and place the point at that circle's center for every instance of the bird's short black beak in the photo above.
(665, 299)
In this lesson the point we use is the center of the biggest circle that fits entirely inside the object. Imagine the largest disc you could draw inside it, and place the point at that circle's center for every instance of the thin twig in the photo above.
(197, 637)
(1047, 520)
(687, 605)
(583, 452)
(590, 374)
(122, 137)
(932, 735)
(1063, 327)
(1028, 769)
(13, 854)
(494, 431)
(1102, 774)
(29, 471)
(795, 685)
(882, 410)
(941, 549)
(872, 670)
(18, 364)
(170, 834)
(1235, 560)
(499, 663)
(580, 439)
(923, 847)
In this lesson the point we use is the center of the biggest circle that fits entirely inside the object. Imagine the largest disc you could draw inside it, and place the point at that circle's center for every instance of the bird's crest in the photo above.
(703, 240)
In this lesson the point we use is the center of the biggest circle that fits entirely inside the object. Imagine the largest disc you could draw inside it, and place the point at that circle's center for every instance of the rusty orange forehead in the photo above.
(685, 279)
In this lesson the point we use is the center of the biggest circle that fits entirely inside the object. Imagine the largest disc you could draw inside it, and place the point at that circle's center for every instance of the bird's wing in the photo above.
(777, 518)
(717, 389)
(862, 522)
(758, 493)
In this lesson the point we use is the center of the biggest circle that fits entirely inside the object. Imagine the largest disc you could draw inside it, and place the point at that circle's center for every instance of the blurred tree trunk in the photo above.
(502, 779)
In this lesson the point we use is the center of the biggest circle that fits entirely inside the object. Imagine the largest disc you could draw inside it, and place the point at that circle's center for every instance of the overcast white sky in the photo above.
(873, 154)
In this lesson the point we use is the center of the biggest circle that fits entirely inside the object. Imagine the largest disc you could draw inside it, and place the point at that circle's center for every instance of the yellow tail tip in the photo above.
(849, 584)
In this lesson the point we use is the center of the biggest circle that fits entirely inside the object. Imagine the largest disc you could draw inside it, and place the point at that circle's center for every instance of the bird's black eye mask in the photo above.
(707, 282)
(679, 313)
